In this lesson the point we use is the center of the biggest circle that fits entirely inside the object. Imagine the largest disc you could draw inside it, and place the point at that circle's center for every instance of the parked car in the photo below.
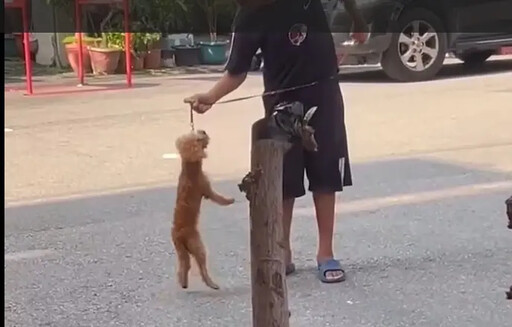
(410, 38)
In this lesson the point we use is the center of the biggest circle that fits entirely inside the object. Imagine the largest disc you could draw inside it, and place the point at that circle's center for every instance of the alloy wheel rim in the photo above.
(418, 46)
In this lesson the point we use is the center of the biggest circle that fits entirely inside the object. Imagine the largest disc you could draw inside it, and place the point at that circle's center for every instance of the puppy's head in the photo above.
(192, 146)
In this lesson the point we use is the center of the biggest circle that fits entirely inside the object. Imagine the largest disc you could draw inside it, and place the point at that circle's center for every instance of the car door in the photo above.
(482, 18)
(338, 20)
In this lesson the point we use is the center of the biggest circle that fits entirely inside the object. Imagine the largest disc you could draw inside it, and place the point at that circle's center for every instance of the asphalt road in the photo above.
(422, 234)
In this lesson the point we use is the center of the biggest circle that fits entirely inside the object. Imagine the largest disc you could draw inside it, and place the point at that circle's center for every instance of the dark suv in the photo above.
(410, 38)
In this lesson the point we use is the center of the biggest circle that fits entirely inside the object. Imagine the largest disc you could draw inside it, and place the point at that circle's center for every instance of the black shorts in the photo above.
(325, 172)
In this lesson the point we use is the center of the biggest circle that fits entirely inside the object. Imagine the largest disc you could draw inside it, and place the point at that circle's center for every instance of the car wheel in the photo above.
(475, 59)
(418, 51)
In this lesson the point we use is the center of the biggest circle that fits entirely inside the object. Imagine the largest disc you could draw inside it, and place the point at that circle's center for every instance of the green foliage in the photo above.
(142, 42)
(161, 15)
(113, 40)
(60, 3)
(71, 39)
(211, 10)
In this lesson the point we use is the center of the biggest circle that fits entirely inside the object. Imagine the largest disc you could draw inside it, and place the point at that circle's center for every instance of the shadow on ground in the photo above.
(449, 71)
(15, 73)
(372, 74)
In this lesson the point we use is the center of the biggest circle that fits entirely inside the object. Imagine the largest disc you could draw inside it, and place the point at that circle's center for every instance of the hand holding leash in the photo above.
(199, 103)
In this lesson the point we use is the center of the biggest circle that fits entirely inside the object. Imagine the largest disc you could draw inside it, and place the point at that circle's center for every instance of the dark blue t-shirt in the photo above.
(297, 49)
(295, 41)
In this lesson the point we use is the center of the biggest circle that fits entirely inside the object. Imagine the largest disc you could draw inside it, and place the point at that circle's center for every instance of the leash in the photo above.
(191, 118)
(268, 93)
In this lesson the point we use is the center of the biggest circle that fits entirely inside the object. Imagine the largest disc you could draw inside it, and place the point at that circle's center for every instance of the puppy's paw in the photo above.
(220, 200)
(212, 285)
(228, 201)
(183, 280)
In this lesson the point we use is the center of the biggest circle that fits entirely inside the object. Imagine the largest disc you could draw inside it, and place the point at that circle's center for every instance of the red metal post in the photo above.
(127, 43)
(26, 48)
(78, 22)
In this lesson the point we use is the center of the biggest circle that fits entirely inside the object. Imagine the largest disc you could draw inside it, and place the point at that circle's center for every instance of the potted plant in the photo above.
(105, 56)
(153, 58)
(138, 53)
(213, 52)
(71, 45)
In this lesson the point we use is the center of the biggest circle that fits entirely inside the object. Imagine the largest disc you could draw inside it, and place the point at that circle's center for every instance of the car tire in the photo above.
(413, 42)
(475, 59)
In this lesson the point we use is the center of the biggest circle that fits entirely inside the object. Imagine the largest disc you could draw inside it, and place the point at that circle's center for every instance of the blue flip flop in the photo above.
(327, 266)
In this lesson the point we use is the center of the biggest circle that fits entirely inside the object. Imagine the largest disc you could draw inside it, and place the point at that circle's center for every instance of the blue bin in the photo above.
(213, 53)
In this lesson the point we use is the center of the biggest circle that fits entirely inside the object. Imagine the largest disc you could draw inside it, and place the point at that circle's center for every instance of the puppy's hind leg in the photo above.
(196, 248)
(183, 263)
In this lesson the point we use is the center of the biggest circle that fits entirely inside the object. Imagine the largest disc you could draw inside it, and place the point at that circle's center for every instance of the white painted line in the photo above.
(414, 198)
(7, 130)
(170, 156)
(31, 254)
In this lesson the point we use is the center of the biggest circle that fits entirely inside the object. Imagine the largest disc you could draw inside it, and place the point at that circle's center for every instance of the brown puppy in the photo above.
(193, 185)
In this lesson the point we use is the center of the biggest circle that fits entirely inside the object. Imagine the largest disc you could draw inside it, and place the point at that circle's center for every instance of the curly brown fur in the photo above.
(193, 186)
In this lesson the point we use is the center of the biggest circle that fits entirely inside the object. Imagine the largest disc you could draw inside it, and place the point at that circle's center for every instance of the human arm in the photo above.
(202, 102)
(244, 44)
(243, 49)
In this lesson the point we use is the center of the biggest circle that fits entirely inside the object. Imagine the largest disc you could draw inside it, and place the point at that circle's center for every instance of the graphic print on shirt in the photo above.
(297, 34)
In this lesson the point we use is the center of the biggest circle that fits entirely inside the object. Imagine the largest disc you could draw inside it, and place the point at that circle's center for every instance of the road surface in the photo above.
(90, 186)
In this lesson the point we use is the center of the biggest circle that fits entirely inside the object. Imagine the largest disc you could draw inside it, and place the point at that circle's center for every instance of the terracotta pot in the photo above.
(104, 61)
(72, 55)
(137, 63)
(153, 59)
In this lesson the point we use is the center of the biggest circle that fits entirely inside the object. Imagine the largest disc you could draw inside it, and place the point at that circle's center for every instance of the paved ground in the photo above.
(422, 232)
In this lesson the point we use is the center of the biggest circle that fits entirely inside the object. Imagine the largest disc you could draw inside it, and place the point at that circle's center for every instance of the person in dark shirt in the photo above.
(297, 49)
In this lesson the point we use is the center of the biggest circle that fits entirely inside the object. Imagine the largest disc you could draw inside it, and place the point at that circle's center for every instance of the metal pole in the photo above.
(78, 21)
(127, 43)
(26, 48)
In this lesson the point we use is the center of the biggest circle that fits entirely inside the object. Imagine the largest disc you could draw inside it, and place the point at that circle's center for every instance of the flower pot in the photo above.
(187, 55)
(153, 59)
(213, 53)
(137, 63)
(72, 55)
(104, 61)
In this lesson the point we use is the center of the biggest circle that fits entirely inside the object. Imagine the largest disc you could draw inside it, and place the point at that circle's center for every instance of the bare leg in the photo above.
(324, 207)
(287, 225)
